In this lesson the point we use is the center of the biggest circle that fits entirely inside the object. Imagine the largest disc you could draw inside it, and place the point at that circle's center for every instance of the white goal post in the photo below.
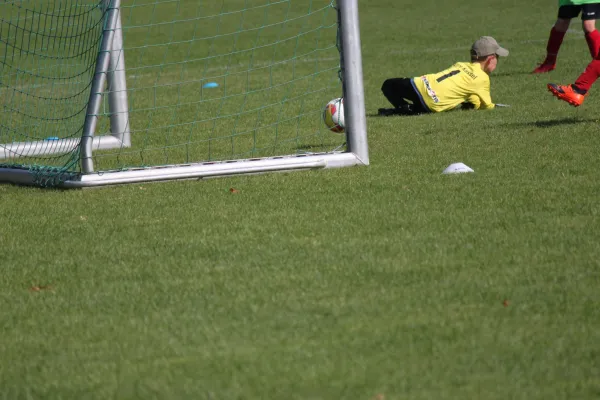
(109, 96)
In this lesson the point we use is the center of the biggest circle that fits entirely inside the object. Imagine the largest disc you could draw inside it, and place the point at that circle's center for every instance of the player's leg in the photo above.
(575, 94)
(557, 34)
(591, 74)
(393, 89)
(589, 14)
(398, 91)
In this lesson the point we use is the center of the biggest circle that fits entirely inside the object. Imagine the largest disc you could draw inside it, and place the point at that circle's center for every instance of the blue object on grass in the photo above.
(52, 138)
(210, 85)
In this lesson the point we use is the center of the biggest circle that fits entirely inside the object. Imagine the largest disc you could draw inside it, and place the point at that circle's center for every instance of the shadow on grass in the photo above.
(458, 109)
(318, 148)
(391, 116)
(511, 73)
(309, 147)
(555, 122)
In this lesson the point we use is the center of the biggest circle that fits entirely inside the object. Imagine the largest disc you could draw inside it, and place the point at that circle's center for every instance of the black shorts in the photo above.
(588, 11)
(399, 90)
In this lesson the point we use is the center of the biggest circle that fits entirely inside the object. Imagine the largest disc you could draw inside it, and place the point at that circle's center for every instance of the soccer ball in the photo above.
(333, 115)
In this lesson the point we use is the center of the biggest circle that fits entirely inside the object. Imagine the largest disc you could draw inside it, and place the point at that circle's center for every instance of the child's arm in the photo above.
(483, 97)
(475, 101)
(479, 103)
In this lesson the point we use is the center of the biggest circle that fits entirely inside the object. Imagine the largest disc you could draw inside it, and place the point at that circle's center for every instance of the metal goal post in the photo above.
(109, 86)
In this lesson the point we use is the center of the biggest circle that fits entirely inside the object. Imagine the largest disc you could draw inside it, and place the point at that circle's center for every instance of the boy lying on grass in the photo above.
(463, 84)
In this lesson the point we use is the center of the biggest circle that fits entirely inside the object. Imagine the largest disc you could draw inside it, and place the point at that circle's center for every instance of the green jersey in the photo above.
(576, 2)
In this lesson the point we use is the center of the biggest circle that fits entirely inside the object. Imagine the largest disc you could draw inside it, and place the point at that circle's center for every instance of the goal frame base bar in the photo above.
(193, 171)
(57, 146)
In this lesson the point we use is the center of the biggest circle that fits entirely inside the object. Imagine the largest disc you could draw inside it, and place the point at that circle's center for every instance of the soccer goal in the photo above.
(109, 92)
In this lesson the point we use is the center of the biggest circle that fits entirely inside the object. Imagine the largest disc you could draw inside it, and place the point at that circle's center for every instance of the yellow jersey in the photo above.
(449, 88)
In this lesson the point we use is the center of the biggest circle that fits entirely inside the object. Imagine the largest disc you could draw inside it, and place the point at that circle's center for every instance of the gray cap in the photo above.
(486, 46)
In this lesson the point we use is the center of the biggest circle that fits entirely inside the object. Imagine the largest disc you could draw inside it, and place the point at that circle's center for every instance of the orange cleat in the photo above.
(567, 94)
(543, 68)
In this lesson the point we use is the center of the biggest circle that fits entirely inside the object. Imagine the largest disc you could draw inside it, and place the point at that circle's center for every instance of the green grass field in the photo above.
(385, 282)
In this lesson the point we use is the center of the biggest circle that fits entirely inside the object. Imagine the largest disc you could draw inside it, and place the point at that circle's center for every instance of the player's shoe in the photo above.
(543, 68)
(566, 93)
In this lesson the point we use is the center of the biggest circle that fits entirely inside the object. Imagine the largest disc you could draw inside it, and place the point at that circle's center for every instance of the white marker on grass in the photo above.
(457, 168)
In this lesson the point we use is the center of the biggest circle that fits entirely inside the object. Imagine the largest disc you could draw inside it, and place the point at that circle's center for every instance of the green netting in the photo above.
(48, 51)
(276, 65)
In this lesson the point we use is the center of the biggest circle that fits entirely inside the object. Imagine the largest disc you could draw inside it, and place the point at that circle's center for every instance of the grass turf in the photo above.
(389, 280)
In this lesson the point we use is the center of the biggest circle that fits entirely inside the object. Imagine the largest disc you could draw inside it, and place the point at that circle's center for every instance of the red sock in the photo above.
(554, 42)
(589, 76)
(593, 42)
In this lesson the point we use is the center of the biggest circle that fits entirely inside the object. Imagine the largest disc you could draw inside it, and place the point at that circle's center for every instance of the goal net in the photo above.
(48, 55)
(115, 92)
